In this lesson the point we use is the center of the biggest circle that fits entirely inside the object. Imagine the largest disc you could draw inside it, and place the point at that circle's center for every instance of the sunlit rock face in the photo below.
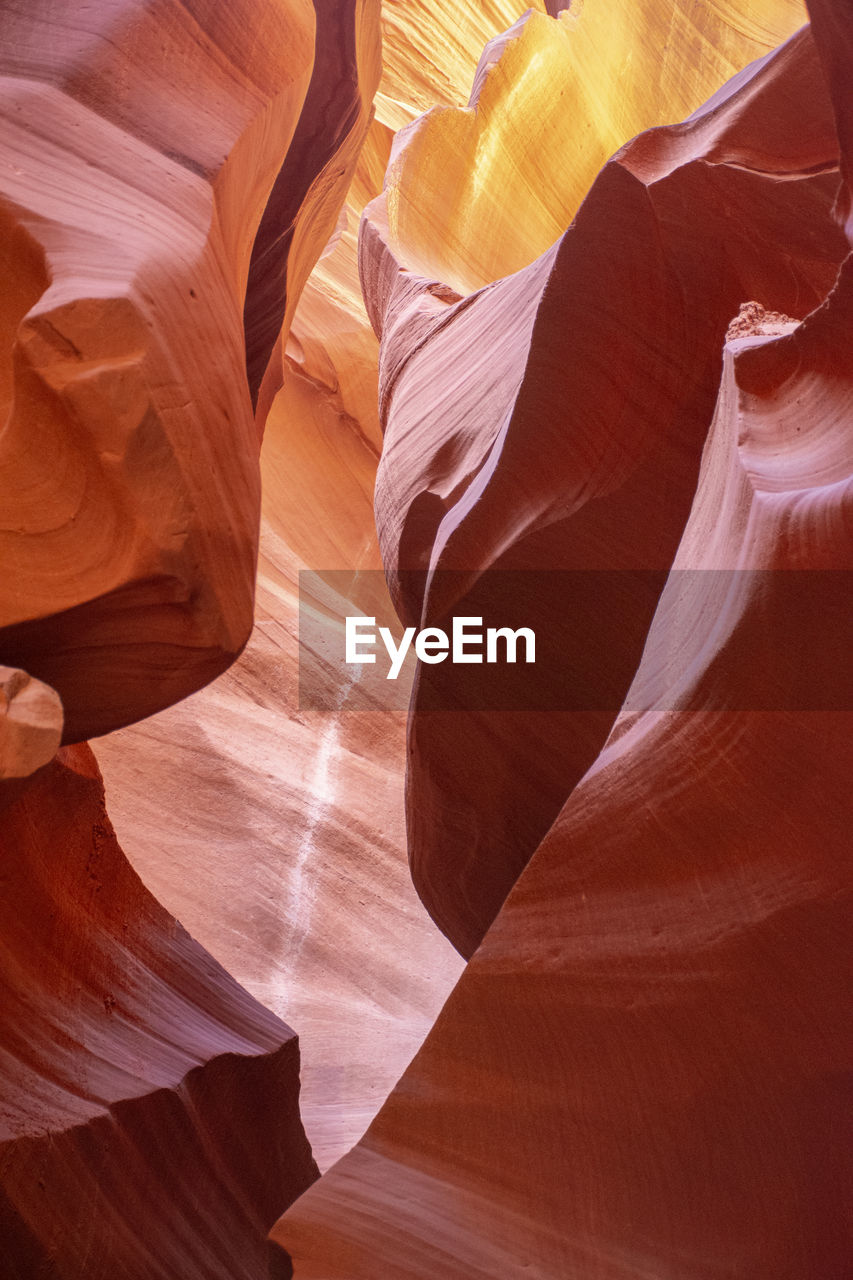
(554, 421)
(298, 814)
(30, 724)
(141, 145)
(485, 189)
(150, 1119)
(430, 52)
(643, 1069)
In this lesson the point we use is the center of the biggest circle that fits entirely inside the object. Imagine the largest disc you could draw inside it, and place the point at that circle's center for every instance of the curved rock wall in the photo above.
(607, 396)
(643, 1069)
(150, 1119)
(140, 151)
(576, 449)
(308, 899)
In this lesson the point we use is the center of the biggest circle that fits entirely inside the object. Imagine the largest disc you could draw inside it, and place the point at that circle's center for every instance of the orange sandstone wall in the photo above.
(141, 147)
(567, 337)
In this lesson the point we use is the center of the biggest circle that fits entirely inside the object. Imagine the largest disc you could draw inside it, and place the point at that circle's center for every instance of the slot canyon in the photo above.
(538, 316)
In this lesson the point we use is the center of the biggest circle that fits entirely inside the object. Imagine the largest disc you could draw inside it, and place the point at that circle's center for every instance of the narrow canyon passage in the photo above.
(302, 888)
(533, 317)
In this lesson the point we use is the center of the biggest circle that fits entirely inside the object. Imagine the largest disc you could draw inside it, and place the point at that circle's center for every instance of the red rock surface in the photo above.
(297, 820)
(298, 814)
(833, 31)
(641, 1070)
(530, 458)
(645, 1068)
(150, 1121)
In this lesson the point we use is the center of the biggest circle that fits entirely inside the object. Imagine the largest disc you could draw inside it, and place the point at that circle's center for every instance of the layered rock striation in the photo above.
(140, 150)
(644, 1068)
(632, 435)
(298, 810)
(150, 1115)
(309, 191)
(569, 444)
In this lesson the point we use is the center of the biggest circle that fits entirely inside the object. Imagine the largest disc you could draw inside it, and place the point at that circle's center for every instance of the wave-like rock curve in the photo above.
(150, 1117)
(570, 441)
(644, 1068)
(139, 149)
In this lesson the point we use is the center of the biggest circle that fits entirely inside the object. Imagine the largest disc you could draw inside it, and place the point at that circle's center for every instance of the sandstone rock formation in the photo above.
(430, 52)
(139, 152)
(499, 475)
(308, 900)
(643, 1070)
(307, 195)
(632, 434)
(484, 190)
(833, 33)
(150, 1120)
(296, 819)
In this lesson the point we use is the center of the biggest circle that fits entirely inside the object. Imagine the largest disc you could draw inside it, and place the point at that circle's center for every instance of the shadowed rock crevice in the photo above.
(329, 113)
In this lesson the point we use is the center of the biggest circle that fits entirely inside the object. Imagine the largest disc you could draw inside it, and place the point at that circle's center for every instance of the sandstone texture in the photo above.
(306, 198)
(30, 724)
(487, 188)
(297, 813)
(423, 311)
(150, 1119)
(278, 838)
(141, 143)
(499, 475)
(643, 1069)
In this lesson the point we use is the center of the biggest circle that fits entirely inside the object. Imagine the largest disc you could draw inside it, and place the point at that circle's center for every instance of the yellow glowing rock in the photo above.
(475, 193)
(430, 52)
